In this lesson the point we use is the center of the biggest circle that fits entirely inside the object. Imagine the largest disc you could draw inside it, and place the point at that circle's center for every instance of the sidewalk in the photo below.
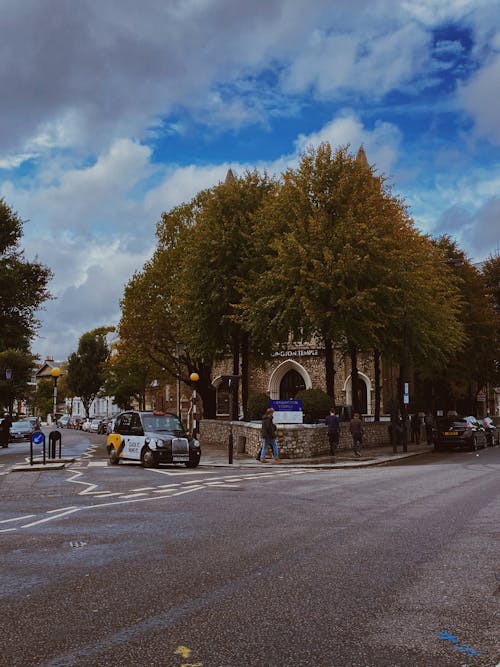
(219, 457)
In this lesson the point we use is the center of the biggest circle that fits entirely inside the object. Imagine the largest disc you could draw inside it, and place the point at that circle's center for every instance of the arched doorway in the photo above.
(363, 391)
(290, 385)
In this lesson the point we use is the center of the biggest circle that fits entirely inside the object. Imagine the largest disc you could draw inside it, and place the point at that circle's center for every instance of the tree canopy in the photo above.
(85, 374)
(23, 285)
(326, 252)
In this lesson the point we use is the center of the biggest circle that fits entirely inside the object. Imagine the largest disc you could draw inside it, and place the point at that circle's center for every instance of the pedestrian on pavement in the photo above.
(415, 428)
(356, 428)
(429, 425)
(5, 430)
(269, 437)
(333, 430)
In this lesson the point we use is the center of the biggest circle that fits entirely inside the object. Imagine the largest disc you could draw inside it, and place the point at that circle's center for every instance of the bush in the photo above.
(316, 404)
(257, 405)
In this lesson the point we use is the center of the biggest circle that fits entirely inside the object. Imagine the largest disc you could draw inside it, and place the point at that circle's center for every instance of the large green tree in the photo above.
(23, 285)
(16, 367)
(85, 374)
(218, 264)
(340, 257)
(155, 321)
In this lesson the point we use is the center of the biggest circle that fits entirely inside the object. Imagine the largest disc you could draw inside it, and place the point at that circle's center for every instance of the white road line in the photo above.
(51, 518)
(19, 518)
(134, 495)
(7, 530)
(61, 509)
(98, 493)
(144, 488)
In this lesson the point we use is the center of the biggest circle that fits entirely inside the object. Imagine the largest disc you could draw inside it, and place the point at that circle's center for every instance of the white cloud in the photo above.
(480, 98)
(85, 85)
(381, 144)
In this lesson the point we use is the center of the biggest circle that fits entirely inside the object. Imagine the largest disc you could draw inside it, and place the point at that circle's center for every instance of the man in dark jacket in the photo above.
(269, 436)
(333, 429)
(356, 428)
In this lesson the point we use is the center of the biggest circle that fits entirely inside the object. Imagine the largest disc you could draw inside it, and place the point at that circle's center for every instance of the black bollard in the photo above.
(54, 438)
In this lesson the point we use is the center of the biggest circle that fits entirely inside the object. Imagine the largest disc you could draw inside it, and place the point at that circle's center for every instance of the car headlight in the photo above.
(160, 443)
(195, 443)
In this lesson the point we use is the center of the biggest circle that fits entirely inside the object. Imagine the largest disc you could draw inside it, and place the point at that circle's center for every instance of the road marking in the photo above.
(61, 509)
(51, 518)
(164, 491)
(19, 518)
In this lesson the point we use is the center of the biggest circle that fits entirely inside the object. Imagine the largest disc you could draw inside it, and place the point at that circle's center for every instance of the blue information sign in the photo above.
(287, 412)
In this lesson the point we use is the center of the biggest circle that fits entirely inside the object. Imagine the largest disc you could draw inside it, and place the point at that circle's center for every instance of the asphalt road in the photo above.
(116, 565)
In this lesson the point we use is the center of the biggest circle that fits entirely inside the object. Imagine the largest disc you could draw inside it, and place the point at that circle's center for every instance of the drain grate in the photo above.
(76, 544)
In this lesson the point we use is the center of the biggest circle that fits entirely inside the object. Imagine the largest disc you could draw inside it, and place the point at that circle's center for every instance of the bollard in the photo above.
(230, 445)
(54, 438)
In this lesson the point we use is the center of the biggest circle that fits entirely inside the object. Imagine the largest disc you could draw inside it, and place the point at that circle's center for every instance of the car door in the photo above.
(133, 436)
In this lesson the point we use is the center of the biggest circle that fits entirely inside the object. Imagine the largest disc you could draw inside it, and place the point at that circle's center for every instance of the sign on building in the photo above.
(287, 412)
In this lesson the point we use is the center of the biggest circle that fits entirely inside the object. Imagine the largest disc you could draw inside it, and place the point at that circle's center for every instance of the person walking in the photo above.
(269, 437)
(356, 428)
(5, 429)
(333, 429)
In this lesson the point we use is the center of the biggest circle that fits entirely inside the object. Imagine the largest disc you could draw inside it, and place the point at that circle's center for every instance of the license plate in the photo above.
(451, 432)
(178, 459)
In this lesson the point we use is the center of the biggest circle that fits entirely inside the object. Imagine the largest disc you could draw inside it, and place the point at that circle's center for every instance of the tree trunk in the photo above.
(245, 353)
(354, 378)
(330, 369)
(236, 371)
(207, 393)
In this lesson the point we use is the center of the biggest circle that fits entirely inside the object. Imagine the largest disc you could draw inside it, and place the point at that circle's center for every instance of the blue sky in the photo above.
(114, 111)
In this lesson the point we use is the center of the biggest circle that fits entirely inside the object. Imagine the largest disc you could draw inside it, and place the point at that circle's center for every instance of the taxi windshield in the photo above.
(162, 423)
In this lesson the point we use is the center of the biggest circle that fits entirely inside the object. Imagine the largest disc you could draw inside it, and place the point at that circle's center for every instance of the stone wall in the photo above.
(295, 440)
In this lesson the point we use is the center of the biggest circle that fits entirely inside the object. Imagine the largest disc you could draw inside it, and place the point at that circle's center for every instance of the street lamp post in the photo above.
(56, 374)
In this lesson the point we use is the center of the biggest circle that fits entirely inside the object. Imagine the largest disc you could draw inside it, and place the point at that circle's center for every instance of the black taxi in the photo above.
(151, 438)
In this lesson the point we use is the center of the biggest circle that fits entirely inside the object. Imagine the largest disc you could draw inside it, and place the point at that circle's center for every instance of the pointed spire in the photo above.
(361, 157)
(230, 177)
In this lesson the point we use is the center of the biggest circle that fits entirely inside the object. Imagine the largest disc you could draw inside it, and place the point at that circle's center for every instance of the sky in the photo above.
(114, 111)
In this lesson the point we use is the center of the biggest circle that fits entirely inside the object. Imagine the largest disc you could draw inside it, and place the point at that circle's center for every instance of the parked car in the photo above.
(76, 423)
(21, 430)
(103, 426)
(94, 425)
(492, 432)
(86, 424)
(63, 422)
(458, 433)
(35, 422)
(152, 438)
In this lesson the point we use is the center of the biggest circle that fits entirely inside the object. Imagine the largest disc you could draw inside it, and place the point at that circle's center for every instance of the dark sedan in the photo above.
(458, 433)
(20, 431)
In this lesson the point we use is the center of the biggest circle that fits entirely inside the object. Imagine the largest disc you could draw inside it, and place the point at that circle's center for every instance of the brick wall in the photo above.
(295, 440)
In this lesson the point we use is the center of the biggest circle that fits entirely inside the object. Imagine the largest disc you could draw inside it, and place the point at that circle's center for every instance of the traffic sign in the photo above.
(38, 438)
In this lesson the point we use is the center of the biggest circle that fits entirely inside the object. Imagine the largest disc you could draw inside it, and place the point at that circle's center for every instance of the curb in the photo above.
(311, 464)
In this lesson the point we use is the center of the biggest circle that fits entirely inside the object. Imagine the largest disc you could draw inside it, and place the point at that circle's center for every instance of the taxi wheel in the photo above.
(114, 457)
(192, 464)
(149, 458)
